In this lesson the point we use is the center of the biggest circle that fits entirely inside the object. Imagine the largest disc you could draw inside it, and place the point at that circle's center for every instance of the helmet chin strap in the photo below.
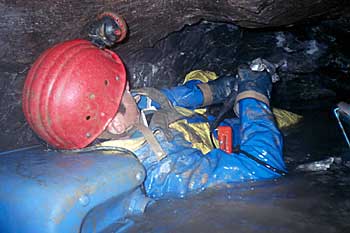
(147, 133)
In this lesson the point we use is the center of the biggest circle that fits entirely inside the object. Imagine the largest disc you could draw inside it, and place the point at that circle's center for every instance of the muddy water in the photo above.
(303, 201)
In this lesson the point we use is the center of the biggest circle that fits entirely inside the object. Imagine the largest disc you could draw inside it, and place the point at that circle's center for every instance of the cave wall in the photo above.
(313, 59)
(27, 28)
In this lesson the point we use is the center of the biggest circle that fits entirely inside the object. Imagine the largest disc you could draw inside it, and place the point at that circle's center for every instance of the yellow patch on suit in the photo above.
(201, 75)
(198, 134)
(285, 118)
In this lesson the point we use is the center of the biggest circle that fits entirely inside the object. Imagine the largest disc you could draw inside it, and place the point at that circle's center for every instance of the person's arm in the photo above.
(259, 140)
(187, 95)
(196, 94)
(259, 136)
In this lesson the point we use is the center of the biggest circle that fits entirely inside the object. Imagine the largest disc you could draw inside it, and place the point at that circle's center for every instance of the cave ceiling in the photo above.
(28, 27)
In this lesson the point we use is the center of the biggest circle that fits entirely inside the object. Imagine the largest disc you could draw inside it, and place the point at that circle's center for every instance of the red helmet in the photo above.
(72, 92)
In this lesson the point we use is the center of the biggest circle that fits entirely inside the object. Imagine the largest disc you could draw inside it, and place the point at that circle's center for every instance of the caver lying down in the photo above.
(72, 97)
(76, 95)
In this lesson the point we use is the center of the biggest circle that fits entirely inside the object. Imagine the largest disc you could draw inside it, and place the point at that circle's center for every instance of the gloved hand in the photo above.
(253, 84)
(218, 90)
(108, 29)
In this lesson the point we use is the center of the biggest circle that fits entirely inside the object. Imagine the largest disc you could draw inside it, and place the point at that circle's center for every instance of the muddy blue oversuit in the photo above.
(192, 164)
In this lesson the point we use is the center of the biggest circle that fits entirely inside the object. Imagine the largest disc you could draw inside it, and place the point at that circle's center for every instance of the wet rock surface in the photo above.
(296, 204)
